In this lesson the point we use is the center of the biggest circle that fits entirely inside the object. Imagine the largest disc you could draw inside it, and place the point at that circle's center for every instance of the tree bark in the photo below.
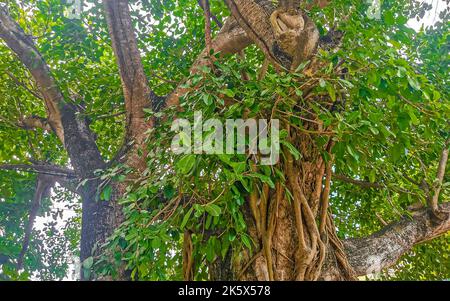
(98, 218)
(24, 47)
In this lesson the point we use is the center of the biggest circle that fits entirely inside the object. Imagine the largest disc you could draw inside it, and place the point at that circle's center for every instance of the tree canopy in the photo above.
(370, 104)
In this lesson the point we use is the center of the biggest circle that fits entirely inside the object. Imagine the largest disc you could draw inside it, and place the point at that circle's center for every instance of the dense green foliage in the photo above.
(395, 95)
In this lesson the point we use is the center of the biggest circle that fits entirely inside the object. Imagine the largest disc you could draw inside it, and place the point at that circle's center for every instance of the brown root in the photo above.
(188, 260)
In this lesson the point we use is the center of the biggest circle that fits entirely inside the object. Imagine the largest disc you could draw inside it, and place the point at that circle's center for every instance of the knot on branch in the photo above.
(287, 26)
(296, 35)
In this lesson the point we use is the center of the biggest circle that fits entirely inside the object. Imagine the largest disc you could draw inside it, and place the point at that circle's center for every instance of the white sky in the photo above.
(431, 16)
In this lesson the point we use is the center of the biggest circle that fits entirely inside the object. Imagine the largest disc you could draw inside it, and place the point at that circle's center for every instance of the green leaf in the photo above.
(403, 120)
(207, 99)
(331, 92)
(232, 235)
(389, 18)
(413, 83)
(246, 241)
(186, 164)
(291, 149)
(213, 209)
(352, 152)
(398, 151)
(156, 242)
(186, 218)
(374, 130)
(106, 193)
(228, 92)
(301, 66)
(88, 262)
(322, 83)
(169, 191)
(264, 179)
(372, 176)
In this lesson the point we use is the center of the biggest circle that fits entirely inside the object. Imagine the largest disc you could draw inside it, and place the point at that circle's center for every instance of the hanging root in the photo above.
(43, 185)
(339, 252)
(308, 182)
(188, 260)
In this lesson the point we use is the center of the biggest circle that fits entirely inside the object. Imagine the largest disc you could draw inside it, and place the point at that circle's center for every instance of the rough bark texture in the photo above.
(285, 34)
(134, 81)
(290, 244)
(138, 96)
(230, 40)
(384, 248)
(98, 218)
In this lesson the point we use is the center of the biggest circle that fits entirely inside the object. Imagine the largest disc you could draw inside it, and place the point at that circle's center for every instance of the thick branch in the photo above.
(319, 3)
(384, 248)
(23, 46)
(230, 40)
(207, 14)
(35, 122)
(134, 81)
(286, 35)
(74, 132)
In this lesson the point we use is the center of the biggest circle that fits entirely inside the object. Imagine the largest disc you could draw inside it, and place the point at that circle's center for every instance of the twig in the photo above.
(19, 83)
(43, 186)
(361, 183)
(215, 19)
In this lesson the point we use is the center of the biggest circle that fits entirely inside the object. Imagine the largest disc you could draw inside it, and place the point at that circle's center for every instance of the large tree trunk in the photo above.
(99, 218)
(291, 224)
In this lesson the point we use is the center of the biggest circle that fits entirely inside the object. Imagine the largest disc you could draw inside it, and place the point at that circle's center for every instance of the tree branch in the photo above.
(137, 93)
(23, 85)
(369, 185)
(34, 122)
(319, 3)
(41, 168)
(384, 248)
(24, 48)
(231, 39)
(43, 185)
(213, 17)
(361, 183)
(286, 35)
(207, 14)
